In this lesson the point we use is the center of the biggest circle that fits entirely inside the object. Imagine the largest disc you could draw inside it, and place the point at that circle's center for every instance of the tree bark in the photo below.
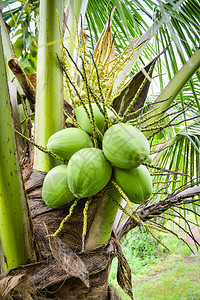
(62, 271)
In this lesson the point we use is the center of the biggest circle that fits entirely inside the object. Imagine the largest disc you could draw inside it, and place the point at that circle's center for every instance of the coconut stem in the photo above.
(64, 220)
(41, 148)
(88, 89)
(68, 87)
(157, 128)
(155, 237)
(73, 120)
(101, 92)
(71, 82)
(164, 170)
(125, 198)
(84, 78)
(145, 116)
(137, 122)
(92, 119)
(102, 224)
(144, 107)
(136, 217)
(123, 209)
(85, 210)
(95, 98)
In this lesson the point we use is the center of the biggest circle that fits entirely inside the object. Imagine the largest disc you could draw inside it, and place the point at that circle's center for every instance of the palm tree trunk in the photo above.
(15, 229)
(62, 270)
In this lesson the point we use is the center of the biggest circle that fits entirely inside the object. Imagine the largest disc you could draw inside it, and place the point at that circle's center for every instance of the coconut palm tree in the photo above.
(80, 252)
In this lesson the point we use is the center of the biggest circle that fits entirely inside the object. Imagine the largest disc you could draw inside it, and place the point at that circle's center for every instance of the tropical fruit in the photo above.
(67, 141)
(88, 172)
(125, 146)
(148, 160)
(136, 183)
(55, 190)
(83, 120)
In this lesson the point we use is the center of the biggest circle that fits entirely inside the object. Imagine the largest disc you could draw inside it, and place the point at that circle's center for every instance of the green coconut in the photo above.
(83, 120)
(148, 160)
(136, 183)
(125, 146)
(88, 172)
(55, 190)
(68, 141)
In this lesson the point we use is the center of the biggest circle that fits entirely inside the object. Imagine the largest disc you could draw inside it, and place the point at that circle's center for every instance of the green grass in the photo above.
(156, 273)
(175, 280)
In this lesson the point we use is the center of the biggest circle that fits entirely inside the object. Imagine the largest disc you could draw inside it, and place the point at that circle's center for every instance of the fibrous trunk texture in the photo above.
(62, 270)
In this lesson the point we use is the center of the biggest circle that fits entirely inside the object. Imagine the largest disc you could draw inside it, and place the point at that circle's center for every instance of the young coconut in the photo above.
(55, 190)
(88, 172)
(125, 146)
(68, 141)
(99, 118)
(136, 183)
(148, 160)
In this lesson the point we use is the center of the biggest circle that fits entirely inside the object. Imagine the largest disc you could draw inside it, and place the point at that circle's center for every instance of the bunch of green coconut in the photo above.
(89, 169)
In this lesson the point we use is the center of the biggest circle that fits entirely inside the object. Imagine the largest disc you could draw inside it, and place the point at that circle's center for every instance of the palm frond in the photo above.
(168, 21)
(180, 153)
